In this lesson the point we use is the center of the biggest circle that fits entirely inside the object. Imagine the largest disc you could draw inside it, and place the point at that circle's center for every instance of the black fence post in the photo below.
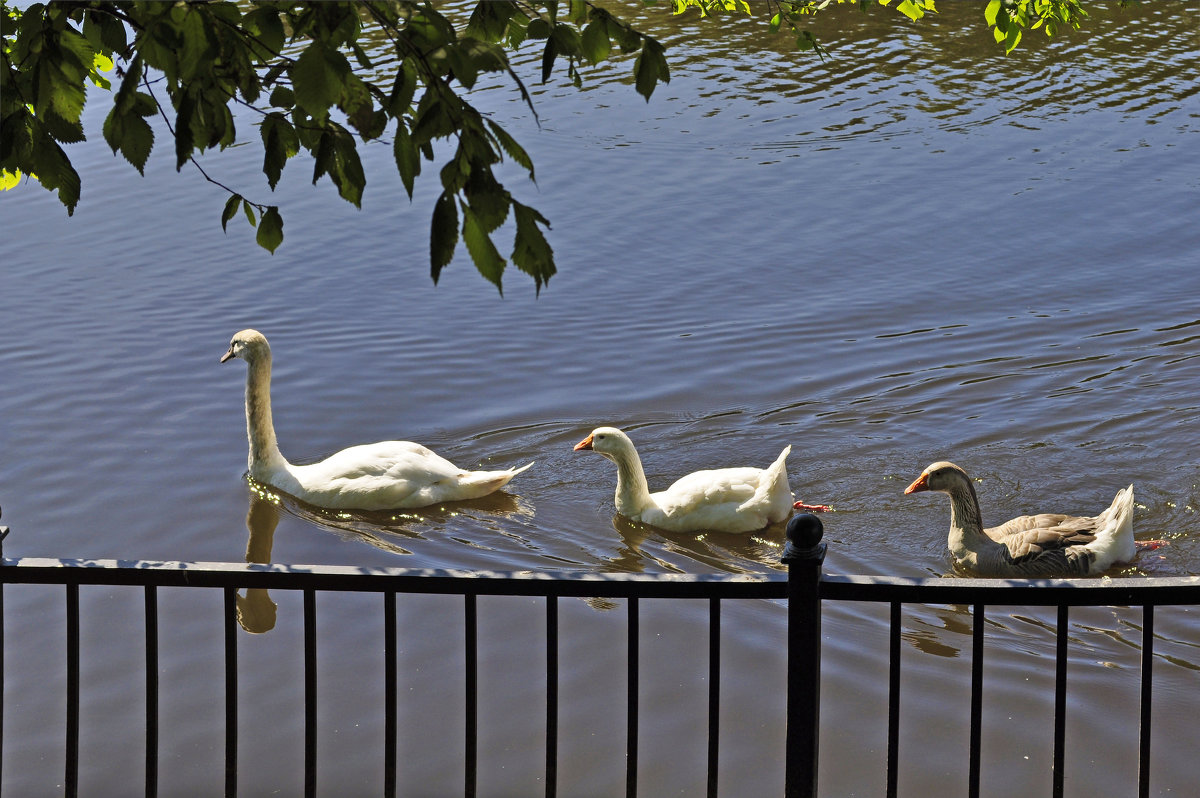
(803, 555)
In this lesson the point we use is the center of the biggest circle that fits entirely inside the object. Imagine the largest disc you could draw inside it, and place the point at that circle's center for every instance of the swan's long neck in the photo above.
(264, 451)
(967, 538)
(633, 492)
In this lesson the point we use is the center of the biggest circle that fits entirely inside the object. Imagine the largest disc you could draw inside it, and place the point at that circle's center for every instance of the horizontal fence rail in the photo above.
(804, 586)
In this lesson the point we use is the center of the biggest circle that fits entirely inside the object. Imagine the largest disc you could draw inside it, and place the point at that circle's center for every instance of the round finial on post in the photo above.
(804, 533)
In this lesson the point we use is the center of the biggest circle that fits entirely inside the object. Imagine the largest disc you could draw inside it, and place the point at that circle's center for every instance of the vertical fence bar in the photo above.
(71, 775)
(389, 693)
(1060, 701)
(551, 696)
(3, 535)
(471, 759)
(1147, 695)
(231, 693)
(803, 555)
(893, 743)
(714, 692)
(151, 691)
(310, 692)
(631, 720)
(976, 699)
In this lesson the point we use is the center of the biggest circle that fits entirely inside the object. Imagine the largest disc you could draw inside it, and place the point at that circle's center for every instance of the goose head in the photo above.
(608, 441)
(249, 345)
(943, 476)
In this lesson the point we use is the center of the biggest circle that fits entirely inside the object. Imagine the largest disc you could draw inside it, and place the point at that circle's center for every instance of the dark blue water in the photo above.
(915, 250)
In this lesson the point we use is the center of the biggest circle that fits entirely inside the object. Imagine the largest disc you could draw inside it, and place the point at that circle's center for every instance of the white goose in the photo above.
(722, 500)
(1043, 545)
(376, 476)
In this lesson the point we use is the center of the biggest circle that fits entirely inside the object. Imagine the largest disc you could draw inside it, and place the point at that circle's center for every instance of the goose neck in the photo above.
(966, 523)
(633, 492)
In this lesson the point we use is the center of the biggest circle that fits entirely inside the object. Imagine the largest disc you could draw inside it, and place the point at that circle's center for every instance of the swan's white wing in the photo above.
(376, 476)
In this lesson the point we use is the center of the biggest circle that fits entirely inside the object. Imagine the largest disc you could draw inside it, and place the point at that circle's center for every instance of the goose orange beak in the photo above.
(919, 484)
(586, 443)
(227, 355)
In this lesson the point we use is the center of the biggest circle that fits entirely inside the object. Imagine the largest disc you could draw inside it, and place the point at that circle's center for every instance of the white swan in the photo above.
(376, 476)
(722, 500)
(1043, 545)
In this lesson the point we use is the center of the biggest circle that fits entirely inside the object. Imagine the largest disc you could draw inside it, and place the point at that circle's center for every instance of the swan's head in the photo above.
(608, 441)
(249, 345)
(945, 477)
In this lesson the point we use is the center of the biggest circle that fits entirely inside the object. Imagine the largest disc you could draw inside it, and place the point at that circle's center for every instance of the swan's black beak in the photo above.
(586, 443)
(919, 484)
(228, 354)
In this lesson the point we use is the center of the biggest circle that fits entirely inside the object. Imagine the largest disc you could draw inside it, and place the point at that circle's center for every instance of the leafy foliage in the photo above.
(303, 73)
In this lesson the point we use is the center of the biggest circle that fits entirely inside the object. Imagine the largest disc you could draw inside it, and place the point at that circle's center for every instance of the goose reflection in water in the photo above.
(726, 552)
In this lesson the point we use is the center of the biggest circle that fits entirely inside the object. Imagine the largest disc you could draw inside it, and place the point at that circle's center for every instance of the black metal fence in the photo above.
(805, 588)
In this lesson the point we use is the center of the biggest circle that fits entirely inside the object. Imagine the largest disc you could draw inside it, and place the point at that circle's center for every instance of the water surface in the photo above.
(914, 250)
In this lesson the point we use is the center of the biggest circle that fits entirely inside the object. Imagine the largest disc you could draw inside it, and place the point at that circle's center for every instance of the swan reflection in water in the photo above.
(256, 611)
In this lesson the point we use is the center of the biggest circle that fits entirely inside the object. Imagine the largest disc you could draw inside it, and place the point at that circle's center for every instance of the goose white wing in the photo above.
(715, 487)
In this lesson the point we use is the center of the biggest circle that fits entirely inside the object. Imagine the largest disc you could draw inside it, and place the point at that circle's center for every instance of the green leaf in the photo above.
(403, 89)
(649, 68)
(128, 92)
(483, 251)
(567, 40)
(318, 79)
(510, 145)
(911, 10)
(137, 140)
(283, 97)
(408, 162)
(548, 55)
(249, 214)
(267, 28)
(9, 180)
(1012, 39)
(231, 209)
(280, 143)
(348, 173)
(489, 20)
(112, 33)
(443, 234)
(531, 252)
(184, 143)
(270, 230)
(595, 42)
(58, 91)
(992, 10)
(197, 44)
(488, 200)
(53, 168)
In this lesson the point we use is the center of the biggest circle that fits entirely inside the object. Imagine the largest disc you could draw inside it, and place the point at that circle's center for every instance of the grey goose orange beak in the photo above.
(919, 484)
(586, 443)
